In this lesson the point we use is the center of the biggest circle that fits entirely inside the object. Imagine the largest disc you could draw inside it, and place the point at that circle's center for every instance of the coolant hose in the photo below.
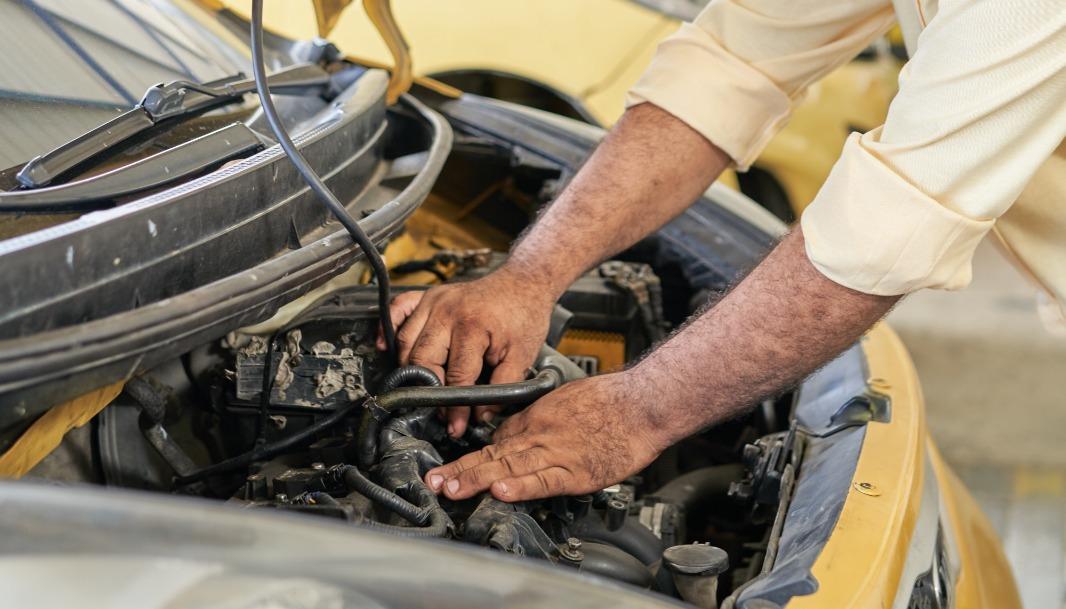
(694, 489)
(632, 537)
(381, 407)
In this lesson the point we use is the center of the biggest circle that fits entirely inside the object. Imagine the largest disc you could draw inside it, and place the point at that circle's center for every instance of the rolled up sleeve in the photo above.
(982, 104)
(737, 71)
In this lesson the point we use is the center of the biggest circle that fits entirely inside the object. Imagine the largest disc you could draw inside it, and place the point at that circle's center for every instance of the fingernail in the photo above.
(435, 481)
(486, 416)
(453, 486)
(451, 429)
(502, 486)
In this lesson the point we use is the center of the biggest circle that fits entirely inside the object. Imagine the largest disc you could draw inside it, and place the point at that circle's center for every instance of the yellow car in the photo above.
(579, 58)
(205, 331)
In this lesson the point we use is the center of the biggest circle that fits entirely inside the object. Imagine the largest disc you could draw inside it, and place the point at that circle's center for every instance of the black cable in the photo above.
(317, 185)
(270, 450)
(356, 481)
(264, 394)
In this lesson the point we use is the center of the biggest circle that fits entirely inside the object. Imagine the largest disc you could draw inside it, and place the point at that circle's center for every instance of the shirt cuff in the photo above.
(871, 230)
(729, 102)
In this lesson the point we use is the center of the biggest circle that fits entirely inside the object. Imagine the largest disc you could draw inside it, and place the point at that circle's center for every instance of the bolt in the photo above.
(572, 552)
(879, 383)
(867, 488)
(281, 498)
(318, 467)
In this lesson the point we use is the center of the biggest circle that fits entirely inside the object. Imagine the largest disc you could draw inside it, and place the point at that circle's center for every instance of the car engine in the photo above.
(312, 419)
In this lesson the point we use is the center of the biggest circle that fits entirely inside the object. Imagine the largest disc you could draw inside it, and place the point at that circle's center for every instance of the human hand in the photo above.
(456, 329)
(581, 438)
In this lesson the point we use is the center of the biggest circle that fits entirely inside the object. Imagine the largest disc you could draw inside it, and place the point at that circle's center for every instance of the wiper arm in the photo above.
(178, 162)
(161, 103)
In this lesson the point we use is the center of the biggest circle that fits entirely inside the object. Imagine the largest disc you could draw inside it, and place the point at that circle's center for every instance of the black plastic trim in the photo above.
(43, 369)
(179, 162)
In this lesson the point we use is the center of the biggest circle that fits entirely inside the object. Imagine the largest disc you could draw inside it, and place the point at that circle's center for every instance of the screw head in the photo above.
(867, 488)
(573, 543)
(281, 498)
(318, 467)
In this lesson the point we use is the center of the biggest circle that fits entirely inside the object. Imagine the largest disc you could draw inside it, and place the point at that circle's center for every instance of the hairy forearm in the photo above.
(646, 172)
(778, 325)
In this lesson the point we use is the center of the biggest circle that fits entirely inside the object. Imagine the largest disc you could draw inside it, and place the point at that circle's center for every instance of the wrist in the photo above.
(671, 411)
(654, 411)
(530, 283)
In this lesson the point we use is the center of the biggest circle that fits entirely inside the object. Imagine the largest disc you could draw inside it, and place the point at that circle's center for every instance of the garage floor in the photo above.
(993, 382)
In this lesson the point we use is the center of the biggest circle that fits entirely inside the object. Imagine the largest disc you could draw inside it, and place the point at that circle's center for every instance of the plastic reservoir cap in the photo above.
(696, 559)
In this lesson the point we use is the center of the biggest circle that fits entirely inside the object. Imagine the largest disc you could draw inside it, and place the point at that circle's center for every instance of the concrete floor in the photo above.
(993, 382)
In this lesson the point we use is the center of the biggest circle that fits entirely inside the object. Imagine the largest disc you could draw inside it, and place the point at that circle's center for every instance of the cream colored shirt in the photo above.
(981, 107)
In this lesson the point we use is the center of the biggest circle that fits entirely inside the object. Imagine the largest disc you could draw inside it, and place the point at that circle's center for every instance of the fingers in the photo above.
(457, 418)
(431, 348)
(486, 413)
(549, 482)
(466, 355)
(469, 476)
(400, 309)
(449, 471)
(410, 333)
(508, 371)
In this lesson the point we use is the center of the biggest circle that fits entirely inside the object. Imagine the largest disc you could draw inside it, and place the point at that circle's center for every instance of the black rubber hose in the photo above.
(315, 183)
(270, 450)
(367, 439)
(406, 376)
(152, 402)
(439, 525)
(356, 481)
(632, 537)
(608, 561)
(433, 521)
(697, 488)
(523, 392)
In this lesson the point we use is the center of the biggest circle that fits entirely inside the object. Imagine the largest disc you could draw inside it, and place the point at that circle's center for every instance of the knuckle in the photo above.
(544, 482)
(491, 452)
(473, 477)
(514, 463)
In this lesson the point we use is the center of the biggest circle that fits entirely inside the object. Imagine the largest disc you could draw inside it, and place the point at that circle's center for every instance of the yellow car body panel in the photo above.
(593, 51)
(863, 561)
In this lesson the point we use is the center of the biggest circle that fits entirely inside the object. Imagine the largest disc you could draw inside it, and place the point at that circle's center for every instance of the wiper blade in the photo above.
(187, 159)
(161, 103)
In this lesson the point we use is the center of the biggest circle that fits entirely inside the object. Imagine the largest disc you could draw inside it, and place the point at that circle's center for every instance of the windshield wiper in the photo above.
(161, 103)
(189, 158)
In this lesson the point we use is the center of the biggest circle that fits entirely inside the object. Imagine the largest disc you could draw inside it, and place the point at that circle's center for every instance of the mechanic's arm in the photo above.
(647, 171)
(772, 330)
(980, 108)
(732, 77)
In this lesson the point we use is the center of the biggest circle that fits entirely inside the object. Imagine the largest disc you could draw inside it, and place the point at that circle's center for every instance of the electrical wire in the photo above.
(315, 182)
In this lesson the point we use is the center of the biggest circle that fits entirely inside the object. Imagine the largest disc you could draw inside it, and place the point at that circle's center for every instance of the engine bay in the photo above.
(304, 415)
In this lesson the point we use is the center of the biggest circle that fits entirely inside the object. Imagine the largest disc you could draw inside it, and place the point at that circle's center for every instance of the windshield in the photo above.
(69, 66)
